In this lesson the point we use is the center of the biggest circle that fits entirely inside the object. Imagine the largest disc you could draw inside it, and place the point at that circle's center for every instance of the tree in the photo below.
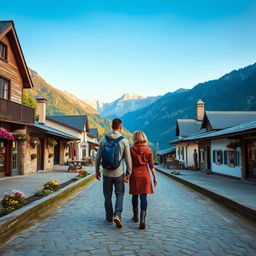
(29, 101)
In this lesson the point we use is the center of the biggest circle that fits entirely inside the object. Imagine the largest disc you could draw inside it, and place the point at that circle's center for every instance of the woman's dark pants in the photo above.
(143, 202)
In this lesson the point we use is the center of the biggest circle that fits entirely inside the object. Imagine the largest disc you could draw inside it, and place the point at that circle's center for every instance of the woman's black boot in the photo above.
(135, 217)
(142, 220)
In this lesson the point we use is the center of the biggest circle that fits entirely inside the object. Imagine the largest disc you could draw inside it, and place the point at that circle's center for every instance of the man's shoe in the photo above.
(110, 222)
(118, 222)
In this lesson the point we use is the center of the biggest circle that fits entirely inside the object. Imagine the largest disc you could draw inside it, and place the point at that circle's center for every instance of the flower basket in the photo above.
(50, 155)
(21, 137)
(34, 142)
(233, 145)
(4, 134)
(33, 156)
(12, 202)
(49, 187)
(52, 142)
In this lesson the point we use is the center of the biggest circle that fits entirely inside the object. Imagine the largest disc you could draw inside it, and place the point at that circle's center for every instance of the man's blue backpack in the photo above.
(110, 155)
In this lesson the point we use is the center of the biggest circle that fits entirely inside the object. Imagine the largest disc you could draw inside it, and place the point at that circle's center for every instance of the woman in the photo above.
(140, 181)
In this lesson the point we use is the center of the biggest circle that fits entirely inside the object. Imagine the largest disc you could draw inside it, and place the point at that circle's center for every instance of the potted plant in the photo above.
(33, 156)
(50, 155)
(52, 142)
(233, 145)
(66, 154)
(21, 137)
(34, 141)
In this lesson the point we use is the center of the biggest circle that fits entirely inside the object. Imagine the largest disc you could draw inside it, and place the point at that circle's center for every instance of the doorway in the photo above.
(251, 159)
(208, 150)
(57, 154)
(15, 158)
(40, 155)
(2, 158)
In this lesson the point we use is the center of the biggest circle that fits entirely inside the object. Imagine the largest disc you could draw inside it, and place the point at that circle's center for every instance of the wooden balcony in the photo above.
(16, 113)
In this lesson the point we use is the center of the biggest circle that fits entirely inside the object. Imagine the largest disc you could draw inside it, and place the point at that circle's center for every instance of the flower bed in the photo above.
(12, 202)
(81, 174)
(49, 187)
(16, 200)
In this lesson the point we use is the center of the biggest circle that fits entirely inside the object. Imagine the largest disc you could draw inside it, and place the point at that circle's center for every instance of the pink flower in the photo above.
(19, 193)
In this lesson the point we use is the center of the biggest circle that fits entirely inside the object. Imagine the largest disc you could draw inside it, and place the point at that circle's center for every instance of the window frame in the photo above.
(9, 91)
(221, 157)
(6, 51)
(229, 154)
(202, 155)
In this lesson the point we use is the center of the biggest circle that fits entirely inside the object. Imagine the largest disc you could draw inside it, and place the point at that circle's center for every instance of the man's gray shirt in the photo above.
(124, 155)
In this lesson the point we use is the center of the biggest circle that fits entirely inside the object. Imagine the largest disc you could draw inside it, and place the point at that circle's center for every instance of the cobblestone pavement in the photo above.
(180, 222)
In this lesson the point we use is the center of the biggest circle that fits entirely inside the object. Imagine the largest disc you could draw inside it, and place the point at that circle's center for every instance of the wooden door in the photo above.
(40, 155)
(251, 159)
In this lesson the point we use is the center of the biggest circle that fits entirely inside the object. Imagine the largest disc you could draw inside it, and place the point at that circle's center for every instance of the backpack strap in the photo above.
(108, 139)
(119, 139)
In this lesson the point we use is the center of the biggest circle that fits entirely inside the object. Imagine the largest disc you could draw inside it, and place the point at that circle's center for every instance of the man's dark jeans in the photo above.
(118, 183)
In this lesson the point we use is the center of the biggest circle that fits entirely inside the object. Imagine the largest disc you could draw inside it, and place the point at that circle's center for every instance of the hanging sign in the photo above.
(83, 144)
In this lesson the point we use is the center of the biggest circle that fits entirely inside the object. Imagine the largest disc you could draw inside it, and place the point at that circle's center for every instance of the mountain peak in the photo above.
(131, 96)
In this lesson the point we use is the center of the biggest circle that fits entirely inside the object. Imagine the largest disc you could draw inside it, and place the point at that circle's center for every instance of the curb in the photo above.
(23, 218)
(227, 202)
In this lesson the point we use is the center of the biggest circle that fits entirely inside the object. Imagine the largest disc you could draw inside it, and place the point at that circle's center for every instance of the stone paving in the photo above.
(180, 222)
(239, 191)
(31, 182)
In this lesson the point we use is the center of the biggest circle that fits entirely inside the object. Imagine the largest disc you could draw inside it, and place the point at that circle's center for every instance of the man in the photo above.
(113, 172)
(195, 160)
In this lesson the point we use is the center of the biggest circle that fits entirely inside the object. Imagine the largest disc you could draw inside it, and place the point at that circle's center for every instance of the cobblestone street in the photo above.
(180, 221)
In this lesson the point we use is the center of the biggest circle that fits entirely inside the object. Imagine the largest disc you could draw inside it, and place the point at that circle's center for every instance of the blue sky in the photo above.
(102, 49)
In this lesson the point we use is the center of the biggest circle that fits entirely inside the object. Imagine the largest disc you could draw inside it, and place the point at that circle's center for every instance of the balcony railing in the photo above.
(15, 112)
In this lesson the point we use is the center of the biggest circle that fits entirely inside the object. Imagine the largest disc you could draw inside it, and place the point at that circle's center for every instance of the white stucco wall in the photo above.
(225, 169)
(81, 135)
(188, 153)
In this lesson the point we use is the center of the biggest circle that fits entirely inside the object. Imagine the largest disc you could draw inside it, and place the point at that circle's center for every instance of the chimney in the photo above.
(41, 109)
(200, 110)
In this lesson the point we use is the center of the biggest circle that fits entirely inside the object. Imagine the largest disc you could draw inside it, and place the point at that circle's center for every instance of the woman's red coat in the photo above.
(142, 160)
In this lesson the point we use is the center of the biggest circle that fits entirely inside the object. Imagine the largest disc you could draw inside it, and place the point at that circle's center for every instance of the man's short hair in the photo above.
(116, 123)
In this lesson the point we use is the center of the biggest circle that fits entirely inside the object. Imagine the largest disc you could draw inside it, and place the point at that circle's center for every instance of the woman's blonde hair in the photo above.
(139, 137)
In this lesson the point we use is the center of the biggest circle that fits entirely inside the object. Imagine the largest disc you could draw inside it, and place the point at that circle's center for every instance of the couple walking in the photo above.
(113, 149)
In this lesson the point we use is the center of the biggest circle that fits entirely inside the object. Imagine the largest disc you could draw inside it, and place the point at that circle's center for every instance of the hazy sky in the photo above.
(101, 49)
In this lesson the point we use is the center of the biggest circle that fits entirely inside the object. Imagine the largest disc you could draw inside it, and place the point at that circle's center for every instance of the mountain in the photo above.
(233, 91)
(64, 103)
(127, 103)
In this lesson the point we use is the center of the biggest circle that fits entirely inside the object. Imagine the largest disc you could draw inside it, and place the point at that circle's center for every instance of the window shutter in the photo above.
(221, 157)
(225, 157)
(236, 158)
(213, 156)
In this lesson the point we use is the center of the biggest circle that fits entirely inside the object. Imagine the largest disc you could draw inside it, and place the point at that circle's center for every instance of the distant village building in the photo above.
(185, 128)
(226, 143)
(166, 154)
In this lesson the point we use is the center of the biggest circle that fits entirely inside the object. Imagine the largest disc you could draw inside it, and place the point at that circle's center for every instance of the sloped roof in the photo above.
(7, 28)
(224, 119)
(238, 129)
(93, 132)
(76, 121)
(187, 127)
(166, 151)
(4, 25)
(52, 131)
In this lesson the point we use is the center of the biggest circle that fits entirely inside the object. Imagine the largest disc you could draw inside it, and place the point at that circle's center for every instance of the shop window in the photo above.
(217, 156)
